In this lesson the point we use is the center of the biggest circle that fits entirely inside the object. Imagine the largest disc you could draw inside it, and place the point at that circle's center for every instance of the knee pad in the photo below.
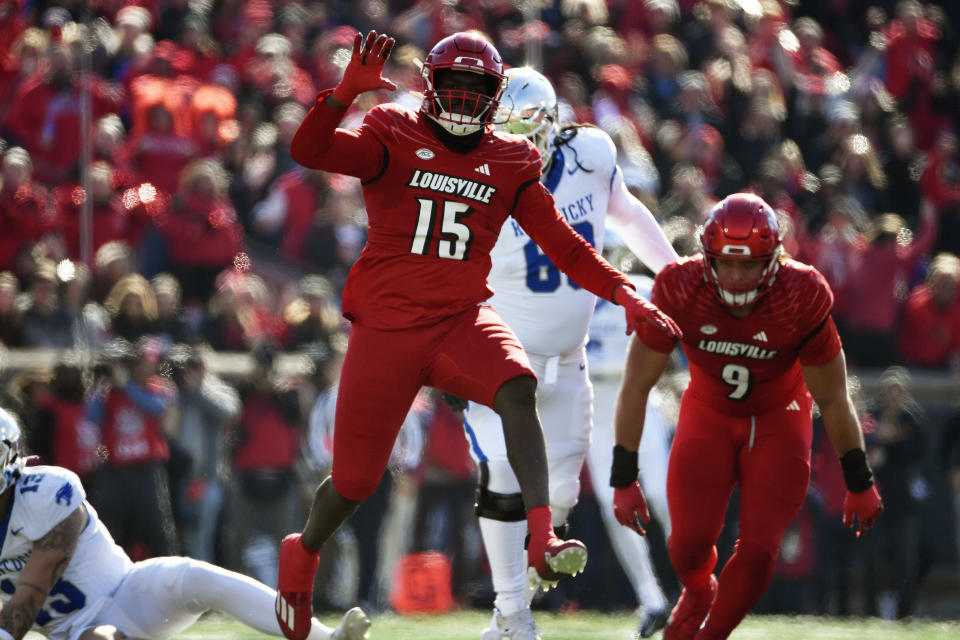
(506, 507)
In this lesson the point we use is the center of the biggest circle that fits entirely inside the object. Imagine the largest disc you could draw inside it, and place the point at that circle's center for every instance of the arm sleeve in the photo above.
(152, 403)
(319, 144)
(538, 215)
(637, 226)
(650, 335)
(821, 342)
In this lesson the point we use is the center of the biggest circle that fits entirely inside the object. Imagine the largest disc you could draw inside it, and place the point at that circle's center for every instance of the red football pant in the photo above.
(469, 355)
(768, 455)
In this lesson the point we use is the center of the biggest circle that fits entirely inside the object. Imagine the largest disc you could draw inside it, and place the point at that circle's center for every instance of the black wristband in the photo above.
(624, 470)
(856, 471)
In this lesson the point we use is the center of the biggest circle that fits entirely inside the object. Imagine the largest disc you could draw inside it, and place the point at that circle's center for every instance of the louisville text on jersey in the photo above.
(442, 183)
(736, 349)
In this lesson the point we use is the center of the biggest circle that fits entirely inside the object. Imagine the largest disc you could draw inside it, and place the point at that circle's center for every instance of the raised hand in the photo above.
(630, 507)
(638, 309)
(363, 73)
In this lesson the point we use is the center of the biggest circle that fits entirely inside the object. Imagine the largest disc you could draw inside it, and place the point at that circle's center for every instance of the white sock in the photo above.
(508, 562)
(559, 515)
(208, 586)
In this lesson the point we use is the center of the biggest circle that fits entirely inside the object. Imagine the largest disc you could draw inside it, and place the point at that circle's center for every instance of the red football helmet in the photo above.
(459, 111)
(741, 227)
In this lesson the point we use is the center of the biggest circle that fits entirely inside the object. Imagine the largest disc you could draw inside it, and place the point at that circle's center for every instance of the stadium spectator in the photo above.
(930, 327)
(208, 408)
(44, 115)
(90, 321)
(132, 306)
(313, 316)
(202, 232)
(27, 211)
(159, 147)
(172, 324)
(896, 453)
(132, 491)
(111, 263)
(46, 323)
(910, 67)
(71, 439)
(11, 316)
(264, 447)
(878, 283)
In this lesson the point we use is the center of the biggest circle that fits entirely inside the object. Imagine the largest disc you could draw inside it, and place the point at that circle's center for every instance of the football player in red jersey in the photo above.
(760, 339)
(438, 185)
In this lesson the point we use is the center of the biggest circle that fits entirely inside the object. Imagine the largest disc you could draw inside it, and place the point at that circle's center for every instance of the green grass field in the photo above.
(584, 625)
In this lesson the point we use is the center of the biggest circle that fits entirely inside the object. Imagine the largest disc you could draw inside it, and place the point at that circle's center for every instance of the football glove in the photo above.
(865, 505)
(365, 66)
(638, 309)
(630, 507)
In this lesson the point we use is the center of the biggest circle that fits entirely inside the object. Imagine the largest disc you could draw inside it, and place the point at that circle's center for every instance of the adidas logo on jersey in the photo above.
(484, 169)
(762, 337)
(793, 406)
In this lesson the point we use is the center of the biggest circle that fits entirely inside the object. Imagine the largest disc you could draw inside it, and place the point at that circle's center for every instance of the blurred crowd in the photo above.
(168, 124)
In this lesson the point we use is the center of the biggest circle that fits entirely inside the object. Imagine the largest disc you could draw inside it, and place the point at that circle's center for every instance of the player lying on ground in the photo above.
(62, 575)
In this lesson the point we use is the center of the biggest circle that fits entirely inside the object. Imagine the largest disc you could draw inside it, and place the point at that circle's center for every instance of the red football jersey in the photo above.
(746, 366)
(434, 214)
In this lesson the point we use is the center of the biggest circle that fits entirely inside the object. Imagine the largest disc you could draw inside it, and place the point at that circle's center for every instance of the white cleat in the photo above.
(516, 626)
(354, 626)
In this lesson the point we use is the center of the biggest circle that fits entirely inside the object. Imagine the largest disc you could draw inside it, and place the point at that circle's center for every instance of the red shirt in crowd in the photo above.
(929, 333)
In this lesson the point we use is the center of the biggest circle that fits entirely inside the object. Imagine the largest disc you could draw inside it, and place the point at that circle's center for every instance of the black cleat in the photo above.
(651, 622)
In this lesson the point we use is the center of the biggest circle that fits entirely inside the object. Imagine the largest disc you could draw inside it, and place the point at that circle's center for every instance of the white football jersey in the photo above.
(547, 311)
(608, 341)
(42, 498)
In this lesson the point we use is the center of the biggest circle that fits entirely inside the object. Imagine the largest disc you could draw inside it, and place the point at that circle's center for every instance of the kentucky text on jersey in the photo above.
(15, 564)
(442, 183)
(736, 349)
(578, 209)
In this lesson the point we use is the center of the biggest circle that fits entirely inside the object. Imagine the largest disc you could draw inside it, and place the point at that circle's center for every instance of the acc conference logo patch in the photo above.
(425, 154)
(708, 329)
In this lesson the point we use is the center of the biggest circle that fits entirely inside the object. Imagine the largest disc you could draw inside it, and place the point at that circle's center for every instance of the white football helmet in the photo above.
(11, 460)
(529, 108)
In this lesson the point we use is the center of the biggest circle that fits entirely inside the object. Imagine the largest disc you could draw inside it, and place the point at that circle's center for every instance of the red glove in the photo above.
(865, 505)
(630, 507)
(639, 309)
(366, 65)
(552, 557)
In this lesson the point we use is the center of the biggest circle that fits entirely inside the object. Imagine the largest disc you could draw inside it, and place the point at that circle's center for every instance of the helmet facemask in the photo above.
(742, 228)
(741, 294)
(11, 459)
(460, 111)
(465, 101)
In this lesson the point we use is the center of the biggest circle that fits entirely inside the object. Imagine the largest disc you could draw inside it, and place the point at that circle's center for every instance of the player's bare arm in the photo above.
(643, 368)
(828, 386)
(48, 560)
